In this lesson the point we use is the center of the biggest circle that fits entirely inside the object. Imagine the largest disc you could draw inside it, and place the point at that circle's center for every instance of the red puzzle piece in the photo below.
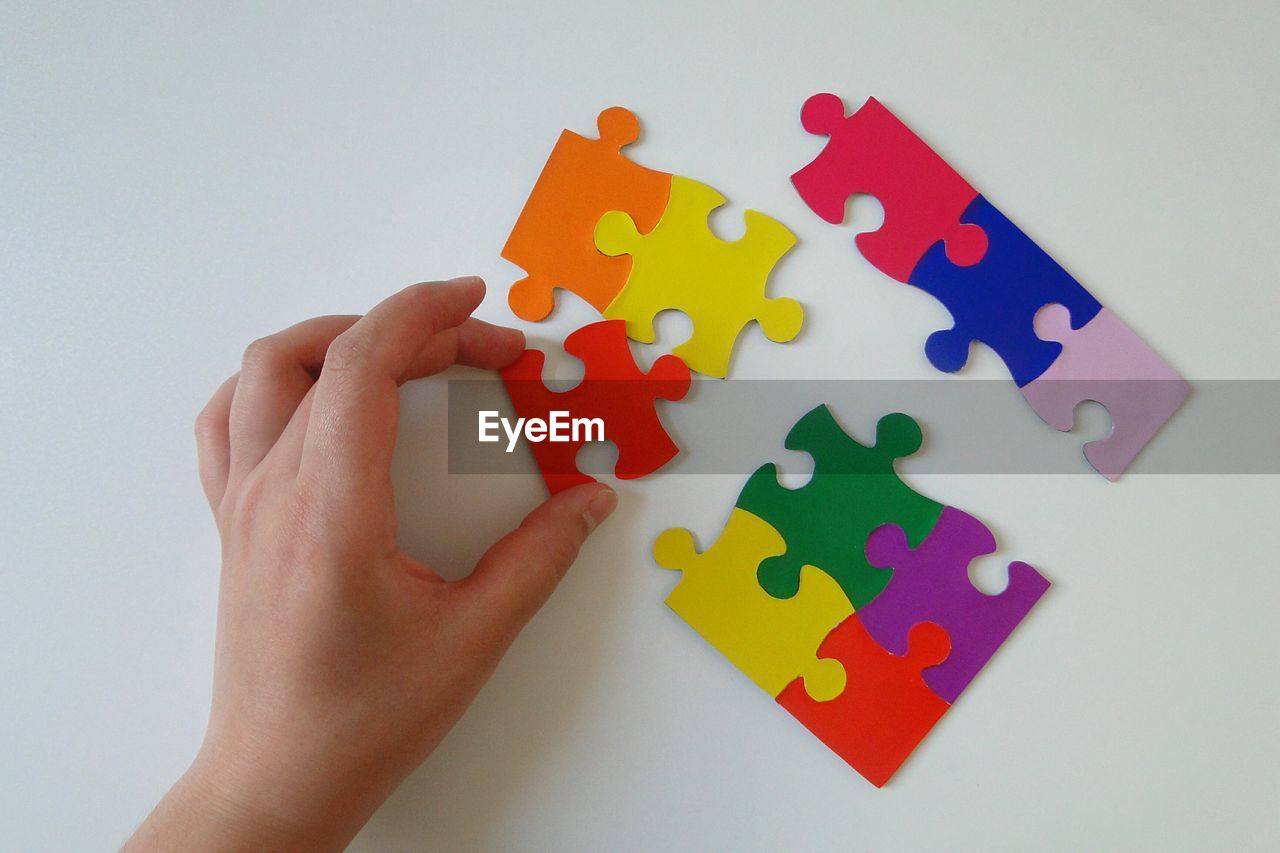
(886, 709)
(873, 152)
(614, 390)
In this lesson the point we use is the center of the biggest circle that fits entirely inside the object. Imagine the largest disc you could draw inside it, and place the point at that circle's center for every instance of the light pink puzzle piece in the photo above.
(1105, 361)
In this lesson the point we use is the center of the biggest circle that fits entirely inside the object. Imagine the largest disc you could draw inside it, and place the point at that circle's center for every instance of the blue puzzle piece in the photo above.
(995, 300)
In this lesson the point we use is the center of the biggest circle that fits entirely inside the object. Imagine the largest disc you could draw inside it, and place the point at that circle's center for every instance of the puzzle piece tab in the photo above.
(996, 300)
(552, 239)
(613, 389)
(682, 264)
(854, 490)
(1105, 361)
(885, 710)
(773, 642)
(872, 152)
(930, 583)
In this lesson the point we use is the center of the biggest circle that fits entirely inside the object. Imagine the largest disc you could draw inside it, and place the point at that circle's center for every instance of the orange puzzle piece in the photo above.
(554, 238)
(886, 708)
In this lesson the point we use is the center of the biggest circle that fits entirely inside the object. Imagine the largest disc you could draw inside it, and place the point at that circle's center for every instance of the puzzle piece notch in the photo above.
(995, 302)
(613, 389)
(773, 642)
(931, 583)
(719, 284)
(871, 151)
(1107, 362)
(552, 238)
(886, 708)
(854, 490)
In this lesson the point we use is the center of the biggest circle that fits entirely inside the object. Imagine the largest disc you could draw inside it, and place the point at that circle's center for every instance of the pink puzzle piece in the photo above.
(1105, 361)
(931, 583)
(872, 152)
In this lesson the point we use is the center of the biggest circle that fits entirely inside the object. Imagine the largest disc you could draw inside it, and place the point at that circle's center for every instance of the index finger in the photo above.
(419, 331)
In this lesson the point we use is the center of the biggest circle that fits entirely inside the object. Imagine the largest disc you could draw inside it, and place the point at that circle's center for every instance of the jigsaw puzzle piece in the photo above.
(719, 284)
(886, 708)
(614, 390)
(773, 642)
(552, 239)
(854, 490)
(996, 300)
(1106, 362)
(930, 583)
(872, 152)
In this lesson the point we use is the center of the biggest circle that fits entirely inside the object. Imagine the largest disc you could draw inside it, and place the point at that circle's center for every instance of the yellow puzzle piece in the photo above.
(682, 264)
(772, 640)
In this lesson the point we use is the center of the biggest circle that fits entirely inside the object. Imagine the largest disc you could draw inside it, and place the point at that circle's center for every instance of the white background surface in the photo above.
(178, 179)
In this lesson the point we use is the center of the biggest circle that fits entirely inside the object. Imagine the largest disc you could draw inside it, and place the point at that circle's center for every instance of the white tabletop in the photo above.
(178, 179)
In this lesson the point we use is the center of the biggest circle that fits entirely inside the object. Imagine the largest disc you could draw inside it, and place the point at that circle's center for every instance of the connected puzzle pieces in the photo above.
(848, 599)
(614, 390)
(633, 242)
(941, 236)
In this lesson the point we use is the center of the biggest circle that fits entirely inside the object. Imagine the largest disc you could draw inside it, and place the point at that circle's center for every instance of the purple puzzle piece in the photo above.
(931, 584)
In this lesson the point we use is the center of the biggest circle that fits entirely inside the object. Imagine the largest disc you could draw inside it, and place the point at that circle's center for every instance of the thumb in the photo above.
(517, 575)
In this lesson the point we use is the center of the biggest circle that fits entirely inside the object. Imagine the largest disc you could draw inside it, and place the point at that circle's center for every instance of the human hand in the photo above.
(340, 661)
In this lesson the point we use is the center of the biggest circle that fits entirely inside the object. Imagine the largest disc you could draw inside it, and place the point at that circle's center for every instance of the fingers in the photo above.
(516, 576)
(213, 441)
(276, 374)
(419, 331)
(475, 343)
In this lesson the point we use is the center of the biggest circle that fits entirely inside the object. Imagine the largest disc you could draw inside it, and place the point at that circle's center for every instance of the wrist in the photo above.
(217, 806)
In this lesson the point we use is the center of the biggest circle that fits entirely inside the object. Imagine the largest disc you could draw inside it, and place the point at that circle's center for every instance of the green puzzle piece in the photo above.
(854, 490)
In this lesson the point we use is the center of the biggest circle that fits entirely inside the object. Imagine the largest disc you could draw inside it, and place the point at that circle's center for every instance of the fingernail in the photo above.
(601, 506)
(466, 280)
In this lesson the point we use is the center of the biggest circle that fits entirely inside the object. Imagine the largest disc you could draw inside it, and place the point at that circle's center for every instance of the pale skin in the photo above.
(340, 661)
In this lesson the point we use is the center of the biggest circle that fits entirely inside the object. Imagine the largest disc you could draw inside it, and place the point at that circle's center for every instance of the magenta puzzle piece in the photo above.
(931, 584)
(872, 152)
